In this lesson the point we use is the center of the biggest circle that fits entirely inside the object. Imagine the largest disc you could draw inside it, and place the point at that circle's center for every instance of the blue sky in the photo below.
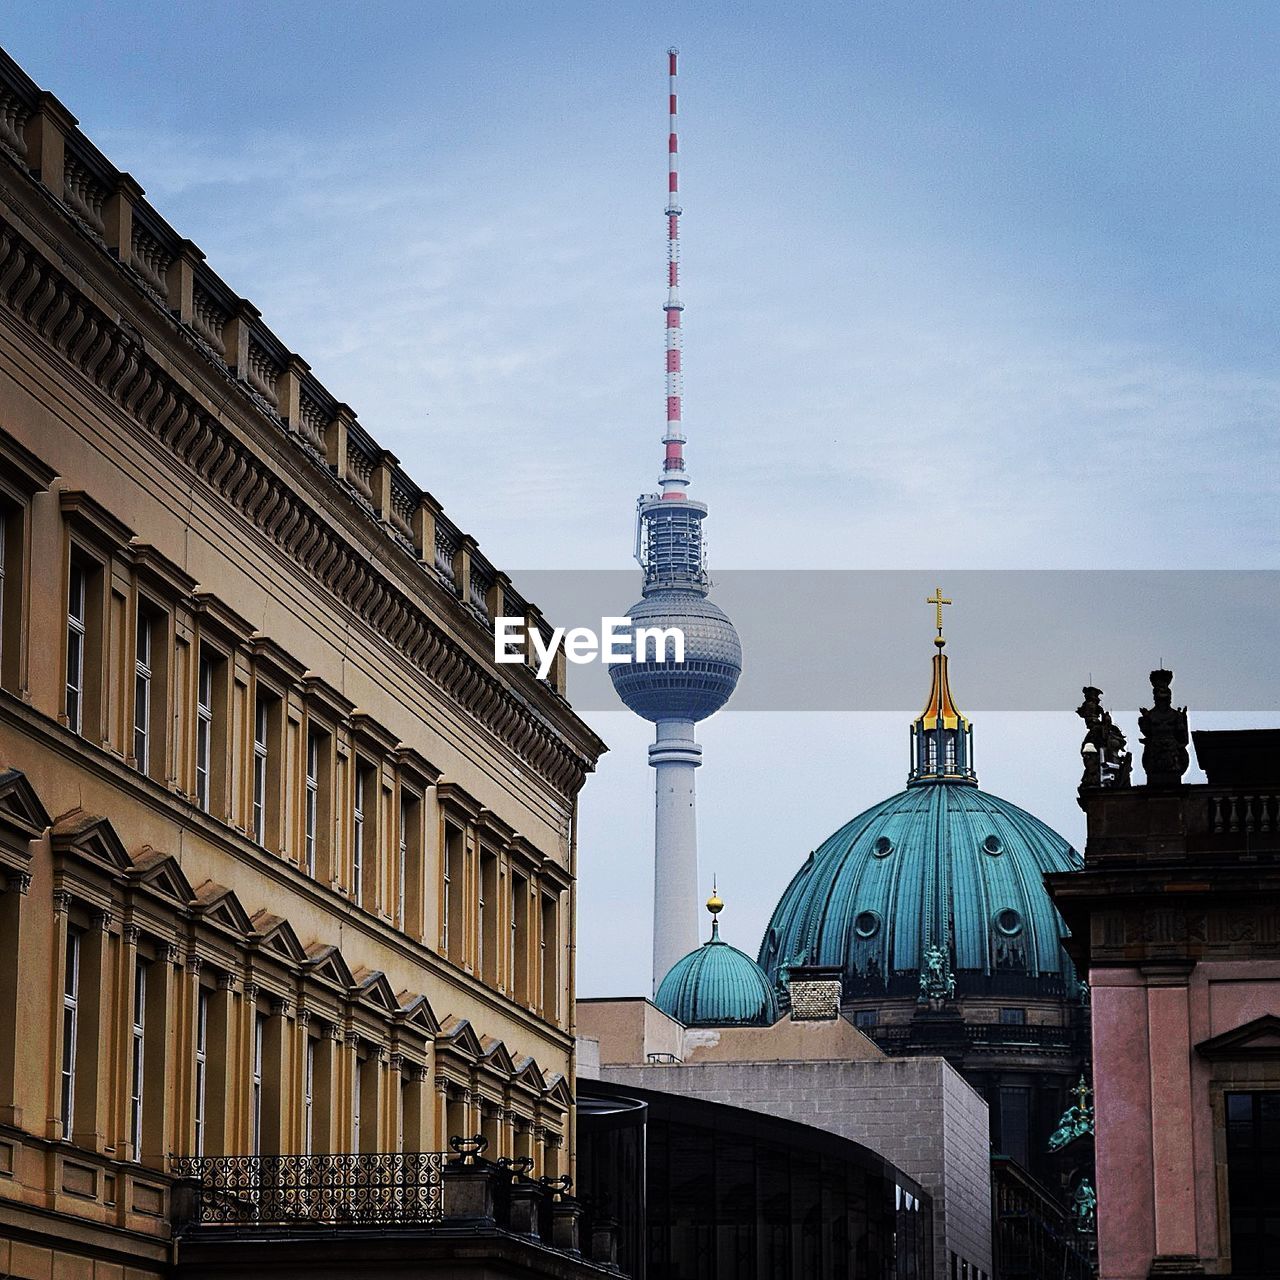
(967, 286)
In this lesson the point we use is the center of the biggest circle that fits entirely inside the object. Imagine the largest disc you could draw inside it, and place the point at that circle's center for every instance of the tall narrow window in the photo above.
(1253, 1181)
(255, 1087)
(550, 944)
(202, 1065)
(137, 1052)
(356, 1081)
(204, 728)
(70, 1024)
(312, 813)
(308, 1098)
(75, 647)
(260, 771)
(1015, 1123)
(142, 694)
(402, 858)
(491, 942)
(520, 938)
(357, 842)
(483, 918)
(364, 821)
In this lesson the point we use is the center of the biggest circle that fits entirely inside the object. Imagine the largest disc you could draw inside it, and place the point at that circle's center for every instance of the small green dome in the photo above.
(718, 986)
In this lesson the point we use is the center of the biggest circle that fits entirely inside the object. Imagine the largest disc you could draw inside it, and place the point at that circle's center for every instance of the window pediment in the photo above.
(21, 812)
(1257, 1039)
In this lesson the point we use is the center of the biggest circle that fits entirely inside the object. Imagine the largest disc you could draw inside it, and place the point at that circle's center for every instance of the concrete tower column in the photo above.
(674, 757)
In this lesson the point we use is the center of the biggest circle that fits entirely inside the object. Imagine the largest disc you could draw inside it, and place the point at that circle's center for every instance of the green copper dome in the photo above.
(717, 986)
(941, 865)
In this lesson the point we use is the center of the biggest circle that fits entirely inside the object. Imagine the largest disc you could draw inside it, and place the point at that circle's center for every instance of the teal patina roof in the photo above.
(942, 863)
(717, 986)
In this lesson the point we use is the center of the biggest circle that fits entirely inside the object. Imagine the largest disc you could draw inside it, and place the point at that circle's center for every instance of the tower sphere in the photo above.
(695, 688)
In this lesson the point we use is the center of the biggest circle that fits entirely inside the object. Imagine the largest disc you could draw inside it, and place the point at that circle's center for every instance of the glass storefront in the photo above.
(735, 1195)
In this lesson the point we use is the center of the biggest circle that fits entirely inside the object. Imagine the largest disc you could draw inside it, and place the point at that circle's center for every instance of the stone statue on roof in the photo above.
(1106, 762)
(1164, 734)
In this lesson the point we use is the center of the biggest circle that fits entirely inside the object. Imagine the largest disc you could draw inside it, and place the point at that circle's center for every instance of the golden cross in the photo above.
(938, 600)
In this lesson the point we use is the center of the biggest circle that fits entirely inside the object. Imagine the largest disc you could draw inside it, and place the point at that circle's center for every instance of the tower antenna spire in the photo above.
(675, 694)
(674, 477)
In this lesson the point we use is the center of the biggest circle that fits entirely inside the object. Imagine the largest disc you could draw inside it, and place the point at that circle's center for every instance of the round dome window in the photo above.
(1009, 922)
(993, 845)
(883, 847)
(867, 924)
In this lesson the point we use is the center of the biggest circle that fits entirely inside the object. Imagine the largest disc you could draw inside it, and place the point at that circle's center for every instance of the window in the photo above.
(311, 815)
(142, 693)
(402, 859)
(364, 868)
(452, 930)
(70, 1021)
(357, 1082)
(202, 1065)
(255, 1087)
(866, 1018)
(76, 616)
(1015, 1124)
(487, 959)
(137, 1050)
(1013, 1017)
(520, 938)
(260, 726)
(204, 727)
(12, 528)
(308, 1098)
(550, 967)
(1253, 1182)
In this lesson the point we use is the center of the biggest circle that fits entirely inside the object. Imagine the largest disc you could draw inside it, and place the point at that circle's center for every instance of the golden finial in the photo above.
(715, 906)
(938, 600)
(714, 903)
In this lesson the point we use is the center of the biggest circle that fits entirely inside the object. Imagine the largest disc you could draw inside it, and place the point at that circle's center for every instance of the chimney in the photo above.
(814, 991)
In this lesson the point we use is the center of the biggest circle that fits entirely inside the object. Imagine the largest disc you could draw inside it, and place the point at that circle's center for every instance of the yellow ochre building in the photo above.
(287, 862)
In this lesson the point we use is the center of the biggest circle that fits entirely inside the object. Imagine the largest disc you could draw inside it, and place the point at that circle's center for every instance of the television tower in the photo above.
(675, 696)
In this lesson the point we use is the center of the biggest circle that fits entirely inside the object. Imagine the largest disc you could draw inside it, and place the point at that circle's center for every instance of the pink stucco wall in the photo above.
(1156, 1174)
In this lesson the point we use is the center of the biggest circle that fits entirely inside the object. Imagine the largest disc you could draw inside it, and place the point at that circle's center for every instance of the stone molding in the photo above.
(118, 365)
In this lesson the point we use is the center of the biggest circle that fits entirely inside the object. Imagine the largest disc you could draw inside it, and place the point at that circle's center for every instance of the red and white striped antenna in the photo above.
(674, 477)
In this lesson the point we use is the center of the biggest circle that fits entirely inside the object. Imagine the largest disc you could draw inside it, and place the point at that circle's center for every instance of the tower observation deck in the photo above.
(676, 695)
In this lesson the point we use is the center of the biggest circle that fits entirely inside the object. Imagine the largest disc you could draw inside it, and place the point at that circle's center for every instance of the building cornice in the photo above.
(122, 271)
(548, 737)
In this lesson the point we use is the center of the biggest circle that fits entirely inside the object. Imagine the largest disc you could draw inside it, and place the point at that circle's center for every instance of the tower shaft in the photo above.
(674, 757)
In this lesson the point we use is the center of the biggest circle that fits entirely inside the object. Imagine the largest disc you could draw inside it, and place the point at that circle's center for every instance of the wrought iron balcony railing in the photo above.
(367, 1189)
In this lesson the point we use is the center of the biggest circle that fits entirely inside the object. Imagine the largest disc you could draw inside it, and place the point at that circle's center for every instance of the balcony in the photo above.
(350, 1190)
(420, 1214)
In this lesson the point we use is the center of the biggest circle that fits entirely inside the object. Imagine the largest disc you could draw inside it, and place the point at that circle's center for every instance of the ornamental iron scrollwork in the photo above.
(356, 1189)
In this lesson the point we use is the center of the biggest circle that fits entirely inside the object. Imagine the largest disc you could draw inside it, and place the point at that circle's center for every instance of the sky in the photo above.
(967, 287)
